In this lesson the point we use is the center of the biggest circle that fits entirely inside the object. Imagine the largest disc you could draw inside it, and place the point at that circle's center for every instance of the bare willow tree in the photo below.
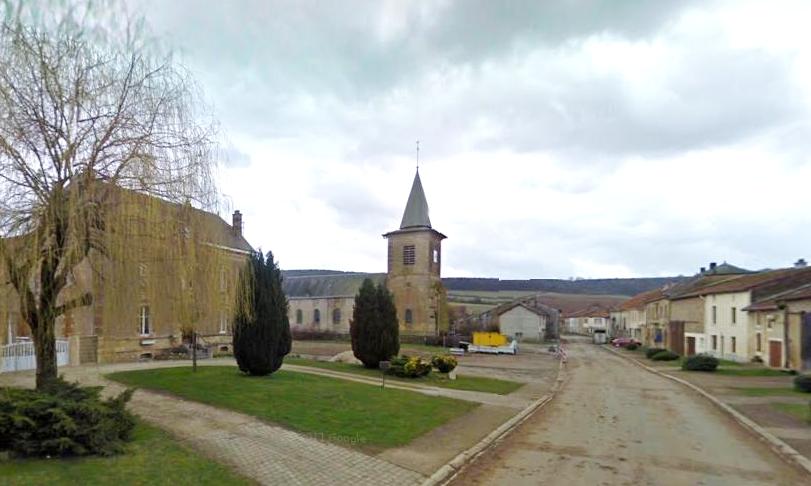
(80, 121)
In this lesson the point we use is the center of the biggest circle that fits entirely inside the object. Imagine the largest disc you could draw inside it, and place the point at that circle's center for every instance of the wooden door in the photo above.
(805, 342)
(776, 354)
(691, 346)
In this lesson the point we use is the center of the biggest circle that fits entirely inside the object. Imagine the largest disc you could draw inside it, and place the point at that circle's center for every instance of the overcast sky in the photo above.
(570, 138)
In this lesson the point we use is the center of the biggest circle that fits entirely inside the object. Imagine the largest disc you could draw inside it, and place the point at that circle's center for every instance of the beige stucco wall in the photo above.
(770, 326)
(326, 306)
(724, 329)
(521, 320)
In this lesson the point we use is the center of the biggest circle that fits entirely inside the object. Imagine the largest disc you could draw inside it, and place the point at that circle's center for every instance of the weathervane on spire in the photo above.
(418, 155)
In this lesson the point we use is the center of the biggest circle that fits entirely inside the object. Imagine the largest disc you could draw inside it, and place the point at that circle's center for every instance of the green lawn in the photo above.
(742, 371)
(341, 411)
(769, 392)
(462, 382)
(152, 458)
(797, 410)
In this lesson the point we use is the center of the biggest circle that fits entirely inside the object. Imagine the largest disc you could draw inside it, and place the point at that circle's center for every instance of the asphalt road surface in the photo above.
(615, 423)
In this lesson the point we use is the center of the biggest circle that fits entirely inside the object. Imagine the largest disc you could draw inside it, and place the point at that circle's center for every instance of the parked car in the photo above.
(621, 342)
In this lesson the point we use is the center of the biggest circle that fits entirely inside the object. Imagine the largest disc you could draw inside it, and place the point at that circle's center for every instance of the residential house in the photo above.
(586, 321)
(728, 329)
(528, 320)
(780, 327)
(685, 333)
(629, 317)
(171, 270)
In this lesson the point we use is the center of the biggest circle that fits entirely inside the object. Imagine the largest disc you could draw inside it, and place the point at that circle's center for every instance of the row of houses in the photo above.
(728, 312)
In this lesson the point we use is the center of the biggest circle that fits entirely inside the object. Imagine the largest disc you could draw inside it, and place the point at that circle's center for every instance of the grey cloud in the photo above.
(235, 158)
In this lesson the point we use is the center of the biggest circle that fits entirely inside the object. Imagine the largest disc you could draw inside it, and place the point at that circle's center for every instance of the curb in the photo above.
(783, 450)
(451, 469)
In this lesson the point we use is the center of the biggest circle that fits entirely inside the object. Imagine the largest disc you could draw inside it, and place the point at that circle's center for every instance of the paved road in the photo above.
(615, 423)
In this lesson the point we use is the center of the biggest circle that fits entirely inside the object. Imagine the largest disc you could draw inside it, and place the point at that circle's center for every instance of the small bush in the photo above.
(700, 362)
(445, 363)
(757, 359)
(63, 419)
(665, 356)
(631, 346)
(651, 351)
(803, 383)
(409, 367)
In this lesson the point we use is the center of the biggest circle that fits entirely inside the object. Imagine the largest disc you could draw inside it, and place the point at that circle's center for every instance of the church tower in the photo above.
(415, 259)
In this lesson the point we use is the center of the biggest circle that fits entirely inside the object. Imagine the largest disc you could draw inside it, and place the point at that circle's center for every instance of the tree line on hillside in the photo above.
(608, 286)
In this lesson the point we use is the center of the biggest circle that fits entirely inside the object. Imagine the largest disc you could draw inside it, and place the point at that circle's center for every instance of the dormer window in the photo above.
(409, 255)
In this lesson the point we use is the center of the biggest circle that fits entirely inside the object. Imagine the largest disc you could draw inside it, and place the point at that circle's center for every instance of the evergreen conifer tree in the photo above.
(261, 327)
(374, 329)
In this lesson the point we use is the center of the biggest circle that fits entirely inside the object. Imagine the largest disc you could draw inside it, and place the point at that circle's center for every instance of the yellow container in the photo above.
(489, 339)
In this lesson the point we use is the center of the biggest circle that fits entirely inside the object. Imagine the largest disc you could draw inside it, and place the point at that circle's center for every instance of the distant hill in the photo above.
(603, 286)
(600, 286)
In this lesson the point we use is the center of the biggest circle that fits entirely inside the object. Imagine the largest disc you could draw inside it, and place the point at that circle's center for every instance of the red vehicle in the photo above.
(621, 342)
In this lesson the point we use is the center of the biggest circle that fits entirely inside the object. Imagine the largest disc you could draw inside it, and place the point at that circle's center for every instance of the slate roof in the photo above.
(771, 303)
(693, 287)
(639, 301)
(764, 282)
(324, 286)
(593, 311)
(416, 210)
(534, 307)
(725, 269)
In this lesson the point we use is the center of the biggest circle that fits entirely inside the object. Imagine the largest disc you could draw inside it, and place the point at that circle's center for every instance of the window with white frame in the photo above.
(144, 322)
(734, 315)
(224, 322)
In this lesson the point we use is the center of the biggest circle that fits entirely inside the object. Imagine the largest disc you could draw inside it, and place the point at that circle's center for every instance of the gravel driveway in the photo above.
(614, 423)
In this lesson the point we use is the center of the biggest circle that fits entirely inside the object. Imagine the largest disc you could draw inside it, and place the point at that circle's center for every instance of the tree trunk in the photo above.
(45, 347)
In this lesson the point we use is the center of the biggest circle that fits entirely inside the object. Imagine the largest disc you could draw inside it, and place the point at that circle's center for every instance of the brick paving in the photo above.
(265, 453)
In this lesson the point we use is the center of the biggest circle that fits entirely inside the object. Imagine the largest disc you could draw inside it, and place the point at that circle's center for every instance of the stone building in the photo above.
(324, 302)
(176, 270)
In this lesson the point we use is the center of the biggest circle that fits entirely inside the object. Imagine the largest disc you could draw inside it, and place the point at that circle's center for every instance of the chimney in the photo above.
(703, 270)
(236, 223)
(801, 263)
(712, 266)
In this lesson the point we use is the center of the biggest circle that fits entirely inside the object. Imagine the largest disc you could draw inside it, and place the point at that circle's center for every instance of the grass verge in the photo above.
(462, 382)
(153, 457)
(741, 371)
(769, 392)
(337, 410)
(796, 410)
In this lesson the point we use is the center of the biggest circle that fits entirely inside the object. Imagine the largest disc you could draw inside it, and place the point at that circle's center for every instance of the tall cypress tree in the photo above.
(261, 327)
(374, 329)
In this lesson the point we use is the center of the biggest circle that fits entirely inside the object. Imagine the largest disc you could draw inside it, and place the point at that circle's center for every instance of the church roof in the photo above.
(416, 211)
(327, 286)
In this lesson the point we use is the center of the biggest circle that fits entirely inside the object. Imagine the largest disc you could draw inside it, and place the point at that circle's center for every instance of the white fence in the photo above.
(21, 356)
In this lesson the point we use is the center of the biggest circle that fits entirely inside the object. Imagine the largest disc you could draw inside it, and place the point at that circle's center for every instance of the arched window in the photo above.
(336, 316)
(299, 316)
(409, 317)
(317, 316)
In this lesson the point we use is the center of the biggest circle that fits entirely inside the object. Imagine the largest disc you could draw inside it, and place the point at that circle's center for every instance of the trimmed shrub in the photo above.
(665, 356)
(651, 351)
(374, 328)
(409, 367)
(445, 363)
(631, 346)
(63, 419)
(803, 383)
(700, 362)
(261, 328)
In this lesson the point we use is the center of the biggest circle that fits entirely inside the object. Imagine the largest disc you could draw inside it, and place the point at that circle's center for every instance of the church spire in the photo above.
(416, 211)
